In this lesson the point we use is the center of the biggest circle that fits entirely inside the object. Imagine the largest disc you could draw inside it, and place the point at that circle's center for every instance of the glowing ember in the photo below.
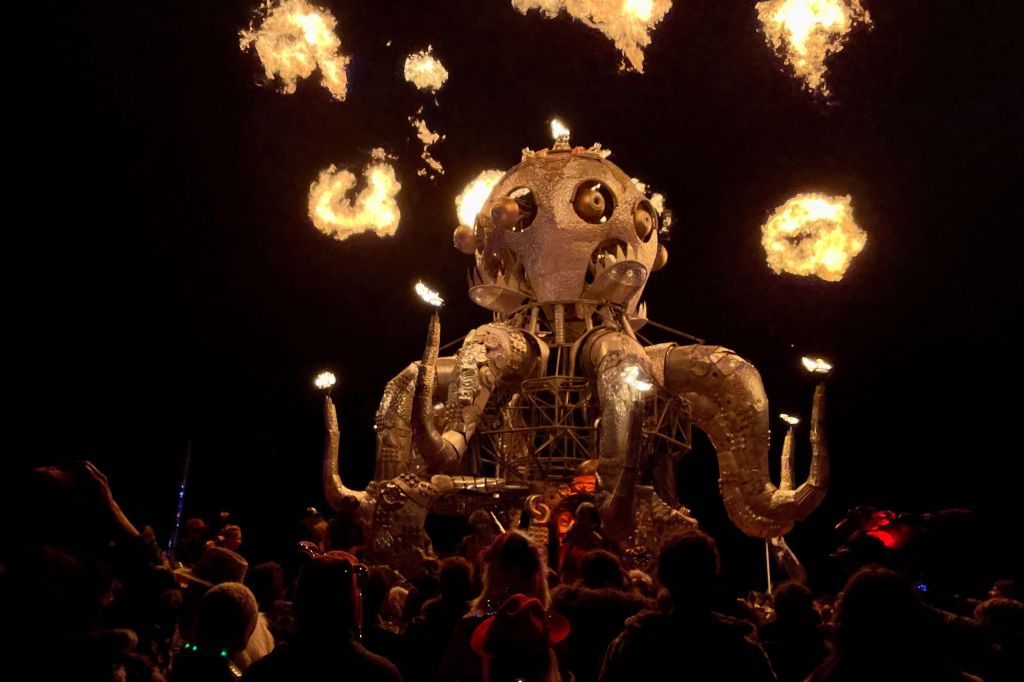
(816, 365)
(558, 130)
(472, 198)
(789, 419)
(805, 32)
(429, 295)
(628, 23)
(374, 208)
(293, 40)
(813, 234)
(424, 71)
(428, 138)
(325, 380)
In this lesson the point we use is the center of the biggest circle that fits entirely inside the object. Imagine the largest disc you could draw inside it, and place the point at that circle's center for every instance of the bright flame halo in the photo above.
(429, 295)
(325, 380)
(789, 419)
(425, 71)
(294, 39)
(813, 234)
(805, 32)
(373, 209)
(816, 365)
(472, 197)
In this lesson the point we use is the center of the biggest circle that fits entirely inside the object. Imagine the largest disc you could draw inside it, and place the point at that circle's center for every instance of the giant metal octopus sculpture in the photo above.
(556, 401)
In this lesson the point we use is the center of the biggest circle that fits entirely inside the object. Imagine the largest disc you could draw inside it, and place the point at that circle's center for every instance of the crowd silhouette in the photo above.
(88, 596)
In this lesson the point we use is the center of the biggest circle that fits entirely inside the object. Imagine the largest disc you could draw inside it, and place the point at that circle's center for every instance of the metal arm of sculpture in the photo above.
(730, 406)
(491, 354)
(616, 362)
(394, 448)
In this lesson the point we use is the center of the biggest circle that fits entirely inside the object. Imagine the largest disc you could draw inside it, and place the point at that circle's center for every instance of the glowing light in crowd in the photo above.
(294, 39)
(805, 32)
(424, 71)
(816, 365)
(471, 200)
(558, 130)
(631, 375)
(428, 138)
(429, 295)
(373, 209)
(813, 234)
(627, 23)
(325, 380)
(789, 419)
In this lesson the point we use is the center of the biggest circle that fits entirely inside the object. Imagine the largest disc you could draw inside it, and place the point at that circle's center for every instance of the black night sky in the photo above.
(172, 288)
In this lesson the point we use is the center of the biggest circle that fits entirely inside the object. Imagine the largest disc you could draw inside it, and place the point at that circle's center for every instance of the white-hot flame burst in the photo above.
(816, 365)
(805, 32)
(789, 419)
(813, 234)
(558, 130)
(325, 380)
(429, 295)
(628, 23)
(294, 39)
(373, 209)
(423, 70)
(471, 200)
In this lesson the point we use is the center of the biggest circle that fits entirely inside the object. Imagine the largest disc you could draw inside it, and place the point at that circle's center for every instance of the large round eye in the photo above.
(516, 211)
(594, 201)
(645, 219)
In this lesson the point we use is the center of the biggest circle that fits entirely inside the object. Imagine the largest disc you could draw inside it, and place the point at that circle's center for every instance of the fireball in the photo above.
(424, 71)
(373, 209)
(813, 234)
(472, 198)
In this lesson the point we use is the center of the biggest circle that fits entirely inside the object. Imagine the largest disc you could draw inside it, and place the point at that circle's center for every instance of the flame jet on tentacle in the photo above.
(729, 404)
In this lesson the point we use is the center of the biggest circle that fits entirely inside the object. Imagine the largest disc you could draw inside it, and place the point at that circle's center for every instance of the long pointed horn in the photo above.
(730, 406)
(438, 453)
(334, 490)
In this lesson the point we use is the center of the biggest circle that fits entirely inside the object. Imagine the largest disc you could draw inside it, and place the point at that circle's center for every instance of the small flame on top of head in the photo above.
(429, 295)
(790, 419)
(325, 380)
(558, 130)
(816, 365)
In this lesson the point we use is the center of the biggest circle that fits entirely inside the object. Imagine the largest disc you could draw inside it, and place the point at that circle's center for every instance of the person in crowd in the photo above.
(328, 618)
(227, 619)
(425, 585)
(1002, 623)
(380, 621)
(512, 565)
(192, 543)
(346, 531)
(230, 537)
(266, 580)
(793, 641)
(427, 635)
(687, 637)
(482, 533)
(883, 632)
(313, 526)
(595, 607)
(516, 643)
(584, 536)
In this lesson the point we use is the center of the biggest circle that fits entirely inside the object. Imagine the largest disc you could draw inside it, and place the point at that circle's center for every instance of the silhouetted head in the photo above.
(879, 606)
(599, 569)
(794, 605)
(512, 565)
(688, 567)
(227, 617)
(327, 598)
(456, 579)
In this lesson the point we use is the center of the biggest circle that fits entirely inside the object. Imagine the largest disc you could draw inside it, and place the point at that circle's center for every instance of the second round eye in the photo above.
(594, 202)
(645, 219)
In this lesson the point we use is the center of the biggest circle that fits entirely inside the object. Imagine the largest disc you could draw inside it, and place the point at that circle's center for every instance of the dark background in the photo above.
(166, 284)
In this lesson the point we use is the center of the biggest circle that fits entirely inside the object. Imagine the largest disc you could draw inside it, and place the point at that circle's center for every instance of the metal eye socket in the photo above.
(516, 211)
(645, 220)
(594, 201)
